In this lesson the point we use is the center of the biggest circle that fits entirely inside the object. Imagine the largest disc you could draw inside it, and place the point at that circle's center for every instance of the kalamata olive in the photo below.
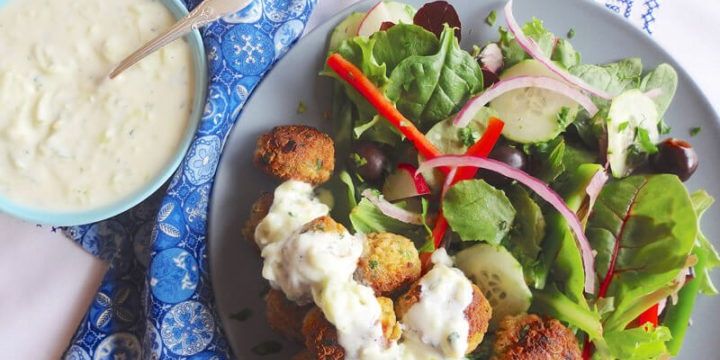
(508, 155)
(675, 156)
(369, 160)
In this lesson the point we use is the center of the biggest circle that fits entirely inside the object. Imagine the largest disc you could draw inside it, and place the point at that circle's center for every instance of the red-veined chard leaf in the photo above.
(643, 229)
(433, 17)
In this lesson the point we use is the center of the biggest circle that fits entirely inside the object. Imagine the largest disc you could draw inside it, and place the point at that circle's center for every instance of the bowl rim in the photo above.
(80, 217)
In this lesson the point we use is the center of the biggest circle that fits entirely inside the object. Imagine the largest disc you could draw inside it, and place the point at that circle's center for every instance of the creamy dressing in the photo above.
(318, 266)
(438, 318)
(294, 205)
(70, 138)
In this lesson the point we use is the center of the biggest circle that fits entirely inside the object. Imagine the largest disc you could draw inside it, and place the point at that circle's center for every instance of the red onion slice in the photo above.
(392, 210)
(534, 51)
(474, 105)
(491, 58)
(595, 186)
(653, 93)
(540, 188)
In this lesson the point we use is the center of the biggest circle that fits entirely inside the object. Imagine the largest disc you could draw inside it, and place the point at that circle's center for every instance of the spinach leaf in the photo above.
(344, 197)
(547, 159)
(429, 88)
(665, 79)
(613, 77)
(401, 42)
(641, 343)
(478, 211)
(643, 228)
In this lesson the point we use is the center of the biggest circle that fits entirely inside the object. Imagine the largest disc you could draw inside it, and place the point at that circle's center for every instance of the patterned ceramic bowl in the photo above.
(85, 216)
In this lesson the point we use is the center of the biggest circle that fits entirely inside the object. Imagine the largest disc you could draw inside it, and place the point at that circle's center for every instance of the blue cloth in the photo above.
(156, 301)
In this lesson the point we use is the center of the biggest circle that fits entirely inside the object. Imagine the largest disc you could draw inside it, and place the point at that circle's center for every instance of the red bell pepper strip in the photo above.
(354, 76)
(649, 316)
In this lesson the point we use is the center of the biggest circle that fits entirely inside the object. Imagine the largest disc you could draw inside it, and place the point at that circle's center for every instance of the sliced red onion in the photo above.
(540, 188)
(491, 58)
(595, 187)
(536, 53)
(653, 93)
(474, 105)
(449, 178)
(392, 210)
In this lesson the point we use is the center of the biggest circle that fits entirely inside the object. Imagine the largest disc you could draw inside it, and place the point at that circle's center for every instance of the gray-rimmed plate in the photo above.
(600, 36)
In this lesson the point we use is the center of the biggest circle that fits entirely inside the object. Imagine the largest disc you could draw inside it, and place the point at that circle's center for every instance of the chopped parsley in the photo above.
(373, 264)
(663, 128)
(242, 315)
(623, 126)
(467, 136)
(694, 131)
(453, 337)
(571, 33)
(267, 348)
(358, 160)
(490, 19)
(643, 138)
(319, 164)
(301, 108)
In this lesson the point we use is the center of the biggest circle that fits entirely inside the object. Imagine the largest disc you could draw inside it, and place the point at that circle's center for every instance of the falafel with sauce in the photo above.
(389, 264)
(285, 316)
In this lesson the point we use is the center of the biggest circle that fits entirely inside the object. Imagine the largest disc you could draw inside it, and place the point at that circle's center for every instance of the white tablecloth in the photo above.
(48, 282)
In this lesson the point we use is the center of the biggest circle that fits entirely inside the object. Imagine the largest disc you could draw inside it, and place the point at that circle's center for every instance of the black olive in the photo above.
(675, 156)
(508, 155)
(368, 160)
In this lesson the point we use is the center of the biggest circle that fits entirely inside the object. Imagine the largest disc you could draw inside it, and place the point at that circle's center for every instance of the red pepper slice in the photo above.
(354, 76)
(649, 316)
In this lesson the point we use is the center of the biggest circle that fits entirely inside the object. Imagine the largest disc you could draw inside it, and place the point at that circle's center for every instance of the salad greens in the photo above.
(464, 208)
(644, 228)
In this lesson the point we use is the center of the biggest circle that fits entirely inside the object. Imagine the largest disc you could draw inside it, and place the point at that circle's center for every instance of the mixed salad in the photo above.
(547, 178)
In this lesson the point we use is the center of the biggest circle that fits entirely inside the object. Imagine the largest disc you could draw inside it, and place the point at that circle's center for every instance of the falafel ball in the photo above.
(529, 337)
(296, 152)
(285, 316)
(478, 313)
(390, 263)
(258, 211)
(321, 337)
(323, 224)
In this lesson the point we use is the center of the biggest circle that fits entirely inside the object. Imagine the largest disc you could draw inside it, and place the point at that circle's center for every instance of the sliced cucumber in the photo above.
(629, 111)
(347, 29)
(531, 115)
(500, 278)
(447, 138)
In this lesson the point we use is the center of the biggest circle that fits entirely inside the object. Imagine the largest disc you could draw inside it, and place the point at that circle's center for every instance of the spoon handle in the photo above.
(206, 12)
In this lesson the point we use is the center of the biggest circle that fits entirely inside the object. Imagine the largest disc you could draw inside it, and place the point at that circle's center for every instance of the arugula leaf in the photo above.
(429, 88)
(641, 343)
(478, 211)
(665, 79)
(613, 77)
(643, 229)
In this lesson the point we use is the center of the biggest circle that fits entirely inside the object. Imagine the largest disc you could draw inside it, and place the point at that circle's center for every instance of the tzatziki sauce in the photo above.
(70, 138)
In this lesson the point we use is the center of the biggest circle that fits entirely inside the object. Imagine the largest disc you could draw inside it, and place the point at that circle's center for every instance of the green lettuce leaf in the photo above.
(641, 343)
(528, 231)
(429, 88)
(646, 227)
(665, 79)
(613, 77)
(534, 29)
(550, 301)
(367, 218)
(401, 42)
(677, 316)
(466, 207)
(344, 197)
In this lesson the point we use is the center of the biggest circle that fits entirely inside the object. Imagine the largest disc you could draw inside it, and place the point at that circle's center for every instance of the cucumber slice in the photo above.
(500, 278)
(628, 112)
(531, 114)
(347, 29)
(446, 137)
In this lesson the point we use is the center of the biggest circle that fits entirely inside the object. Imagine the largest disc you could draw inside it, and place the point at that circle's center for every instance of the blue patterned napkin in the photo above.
(156, 300)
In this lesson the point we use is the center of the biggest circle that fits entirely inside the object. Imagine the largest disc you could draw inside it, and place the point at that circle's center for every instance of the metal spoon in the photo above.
(206, 12)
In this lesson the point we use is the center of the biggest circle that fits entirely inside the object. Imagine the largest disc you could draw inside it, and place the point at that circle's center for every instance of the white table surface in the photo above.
(47, 282)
